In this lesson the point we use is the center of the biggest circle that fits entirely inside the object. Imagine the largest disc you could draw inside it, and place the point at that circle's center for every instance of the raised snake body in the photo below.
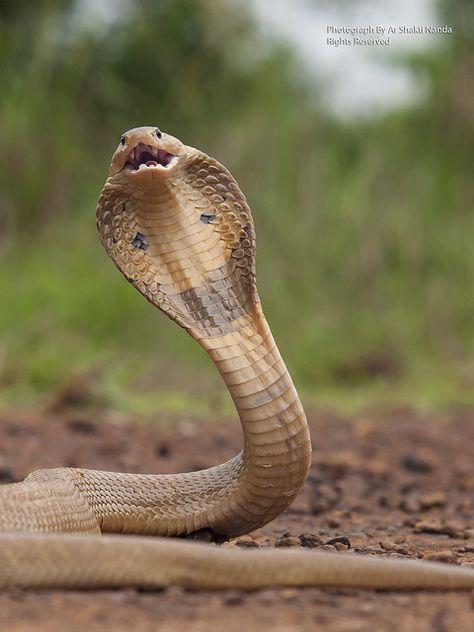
(177, 225)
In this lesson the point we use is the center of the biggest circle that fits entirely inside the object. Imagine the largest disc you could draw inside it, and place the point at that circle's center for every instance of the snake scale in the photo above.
(176, 224)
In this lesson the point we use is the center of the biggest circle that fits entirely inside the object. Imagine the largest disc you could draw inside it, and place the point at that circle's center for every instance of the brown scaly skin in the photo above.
(180, 230)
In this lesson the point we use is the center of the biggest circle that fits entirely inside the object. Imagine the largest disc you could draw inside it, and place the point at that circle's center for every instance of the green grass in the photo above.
(364, 230)
(68, 311)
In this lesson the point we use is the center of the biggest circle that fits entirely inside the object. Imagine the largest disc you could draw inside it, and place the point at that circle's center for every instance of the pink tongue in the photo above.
(152, 163)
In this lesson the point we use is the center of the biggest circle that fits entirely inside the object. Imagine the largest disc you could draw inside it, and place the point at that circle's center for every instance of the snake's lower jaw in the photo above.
(149, 173)
(151, 169)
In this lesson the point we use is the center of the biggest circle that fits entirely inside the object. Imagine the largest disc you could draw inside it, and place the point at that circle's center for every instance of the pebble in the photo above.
(288, 541)
(341, 543)
(388, 545)
(428, 525)
(434, 525)
(374, 550)
(441, 556)
(435, 499)
(310, 540)
(468, 534)
(414, 463)
(245, 541)
(339, 546)
(230, 545)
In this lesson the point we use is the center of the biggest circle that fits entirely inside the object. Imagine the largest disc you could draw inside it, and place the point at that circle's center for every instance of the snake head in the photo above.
(146, 153)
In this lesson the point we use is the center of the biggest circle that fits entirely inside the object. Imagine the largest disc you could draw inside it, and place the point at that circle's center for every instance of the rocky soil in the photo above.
(383, 484)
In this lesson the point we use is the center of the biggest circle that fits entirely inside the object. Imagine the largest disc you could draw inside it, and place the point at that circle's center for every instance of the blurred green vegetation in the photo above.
(365, 229)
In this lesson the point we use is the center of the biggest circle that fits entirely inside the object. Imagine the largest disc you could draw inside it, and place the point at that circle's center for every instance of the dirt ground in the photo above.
(384, 484)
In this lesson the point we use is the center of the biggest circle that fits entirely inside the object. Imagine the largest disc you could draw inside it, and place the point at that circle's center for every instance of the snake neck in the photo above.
(277, 447)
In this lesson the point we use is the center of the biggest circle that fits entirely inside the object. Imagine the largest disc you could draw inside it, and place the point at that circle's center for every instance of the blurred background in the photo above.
(357, 163)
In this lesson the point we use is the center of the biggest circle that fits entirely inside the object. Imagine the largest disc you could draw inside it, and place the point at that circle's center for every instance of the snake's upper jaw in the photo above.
(145, 157)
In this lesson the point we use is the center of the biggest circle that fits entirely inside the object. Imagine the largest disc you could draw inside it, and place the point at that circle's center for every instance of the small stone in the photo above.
(434, 525)
(230, 545)
(428, 525)
(339, 546)
(454, 529)
(415, 463)
(441, 556)
(371, 550)
(340, 541)
(310, 540)
(246, 542)
(435, 499)
(288, 541)
(468, 534)
(388, 545)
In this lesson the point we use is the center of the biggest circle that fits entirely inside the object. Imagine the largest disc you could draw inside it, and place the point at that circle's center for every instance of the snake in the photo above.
(176, 224)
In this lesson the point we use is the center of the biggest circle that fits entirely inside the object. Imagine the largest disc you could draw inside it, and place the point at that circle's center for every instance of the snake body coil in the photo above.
(176, 224)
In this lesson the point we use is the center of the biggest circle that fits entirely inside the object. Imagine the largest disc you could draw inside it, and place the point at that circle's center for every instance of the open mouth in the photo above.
(147, 157)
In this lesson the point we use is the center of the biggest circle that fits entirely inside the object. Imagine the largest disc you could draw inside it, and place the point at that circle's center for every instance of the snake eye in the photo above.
(158, 132)
(122, 140)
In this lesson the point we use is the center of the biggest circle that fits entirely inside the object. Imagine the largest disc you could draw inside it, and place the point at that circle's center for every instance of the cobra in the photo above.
(175, 222)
